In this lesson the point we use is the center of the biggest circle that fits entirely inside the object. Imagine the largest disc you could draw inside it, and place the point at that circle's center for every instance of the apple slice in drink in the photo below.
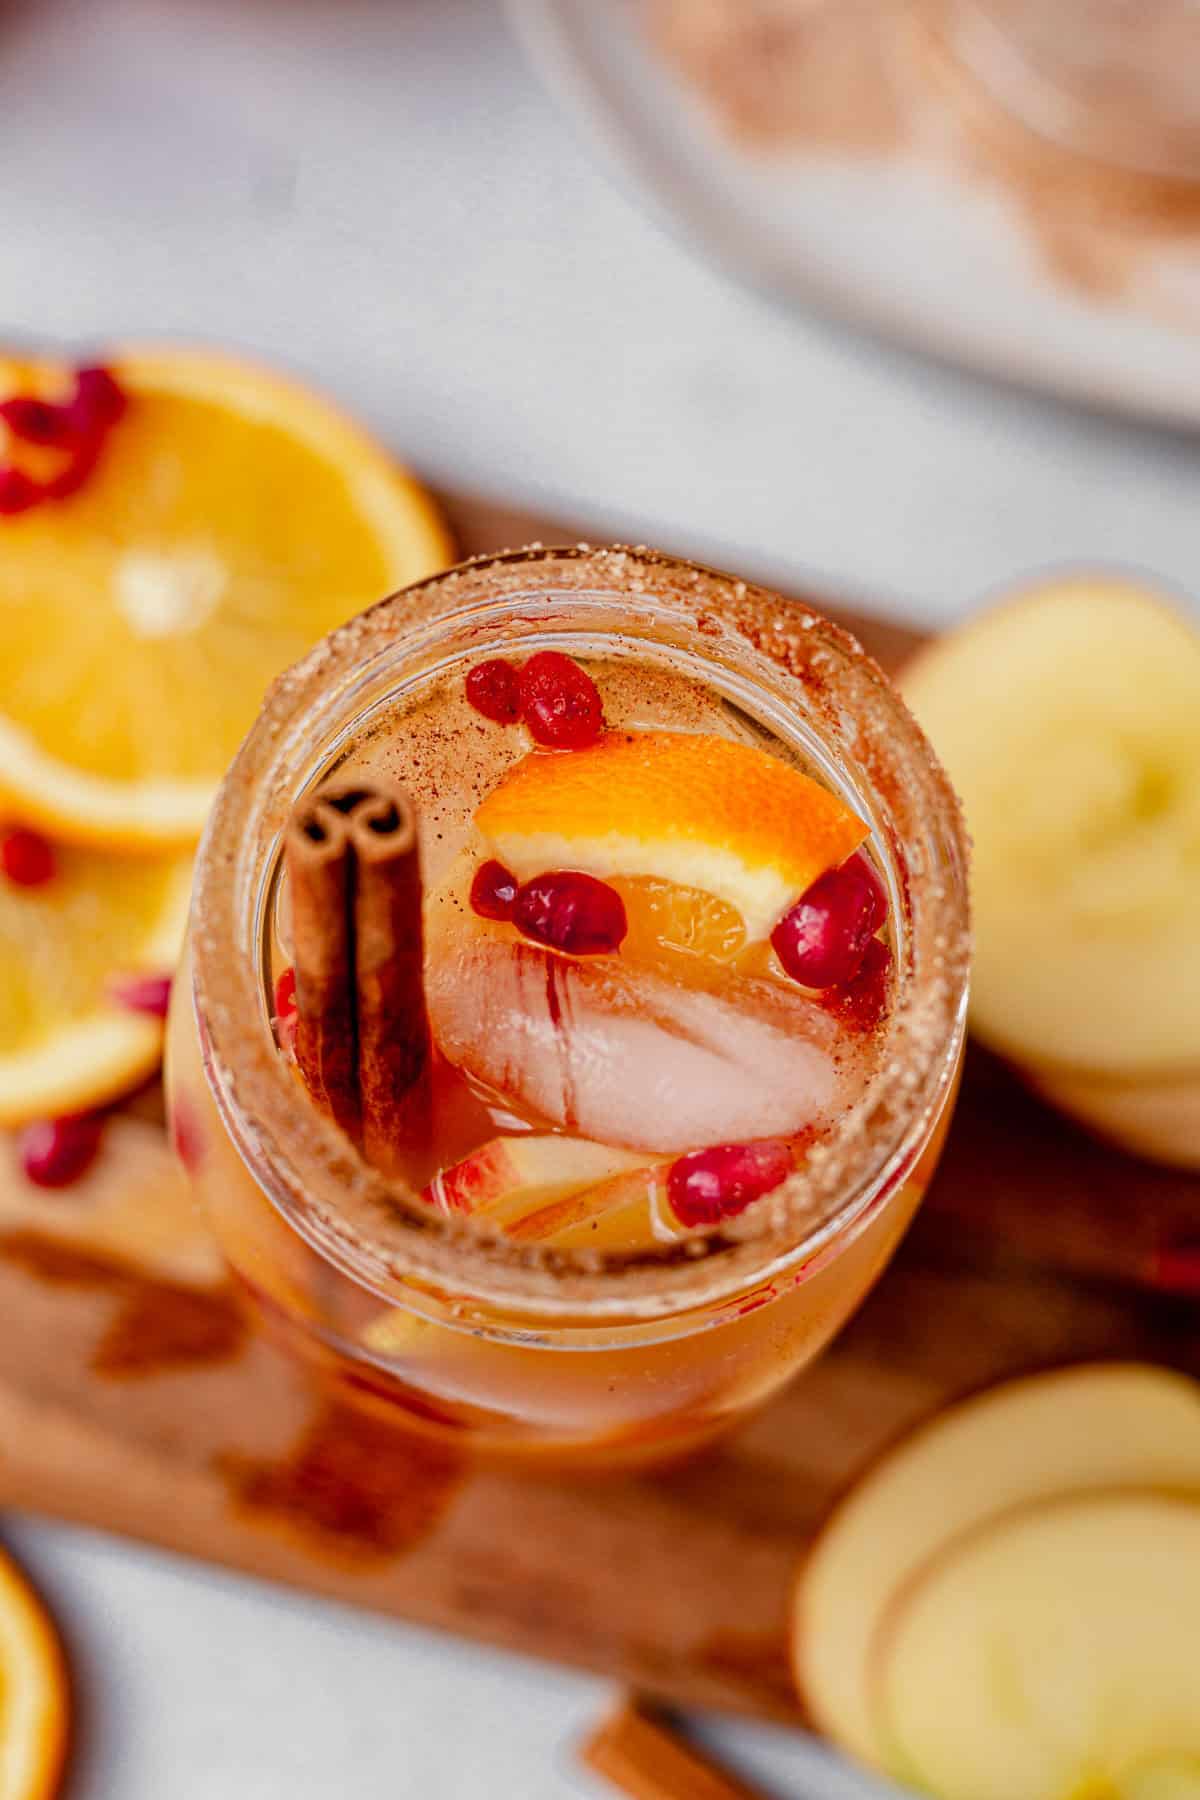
(1069, 721)
(1068, 1431)
(510, 1177)
(1054, 1652)
(618, 1214)
(536, 1189)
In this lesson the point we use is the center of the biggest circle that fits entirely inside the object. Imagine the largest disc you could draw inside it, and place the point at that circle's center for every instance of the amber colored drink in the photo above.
(694, 978)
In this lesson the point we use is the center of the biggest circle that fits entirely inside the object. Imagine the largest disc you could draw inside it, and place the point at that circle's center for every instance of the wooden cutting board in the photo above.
(135, 1396)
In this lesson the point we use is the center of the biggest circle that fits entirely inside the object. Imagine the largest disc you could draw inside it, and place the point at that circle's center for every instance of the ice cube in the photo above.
(624, 1053)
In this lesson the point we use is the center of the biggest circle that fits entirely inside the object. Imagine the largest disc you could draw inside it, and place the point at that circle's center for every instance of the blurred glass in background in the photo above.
(1114, 80)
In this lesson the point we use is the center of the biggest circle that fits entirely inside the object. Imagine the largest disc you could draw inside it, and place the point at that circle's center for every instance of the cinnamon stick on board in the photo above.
(362, 1032)
(642, 1756)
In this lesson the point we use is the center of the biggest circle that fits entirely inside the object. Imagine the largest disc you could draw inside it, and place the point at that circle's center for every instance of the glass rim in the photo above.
(343, 1206)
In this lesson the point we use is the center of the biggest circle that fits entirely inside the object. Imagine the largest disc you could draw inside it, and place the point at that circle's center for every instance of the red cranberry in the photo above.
(38, 421)
(98, 402)
(861, 1004)
(56, 1152)
(571, 911)
(494, 689)
(18, 492)
(560, 702)
(821, 942)
(707, 1186)
(143, 993)
(26, 857)
(493, 891)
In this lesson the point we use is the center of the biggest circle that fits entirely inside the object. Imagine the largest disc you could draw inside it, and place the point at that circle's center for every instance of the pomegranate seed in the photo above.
(286, 1013)
(143, 993)
(38, 421)
(285, 995)
(27, 858)
(494, 689)
(98, 402)
(1175, 1267)
(560, 702)
(707, 1186)
(821, 942)
(56, 1152)
(493, 891)
(861, 1004)
(18, 491)
(571, 911)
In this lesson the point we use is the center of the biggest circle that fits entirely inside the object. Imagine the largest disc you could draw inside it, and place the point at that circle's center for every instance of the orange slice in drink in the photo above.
(683, 920)
(688, 811)
(230, 520)
(34, 1695)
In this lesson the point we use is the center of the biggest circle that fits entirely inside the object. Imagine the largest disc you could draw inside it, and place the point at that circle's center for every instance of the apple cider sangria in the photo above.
(575, 1000)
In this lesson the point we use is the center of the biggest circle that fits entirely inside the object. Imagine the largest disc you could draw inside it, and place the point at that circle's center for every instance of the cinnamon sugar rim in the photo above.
(378, 1229)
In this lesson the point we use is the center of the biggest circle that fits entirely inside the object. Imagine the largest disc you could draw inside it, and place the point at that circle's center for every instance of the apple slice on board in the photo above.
(1069, 721)
(1069, 1431)
(1053, 1653)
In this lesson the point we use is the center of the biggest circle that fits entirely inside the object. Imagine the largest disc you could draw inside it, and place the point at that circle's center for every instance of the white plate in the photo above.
(902, 243)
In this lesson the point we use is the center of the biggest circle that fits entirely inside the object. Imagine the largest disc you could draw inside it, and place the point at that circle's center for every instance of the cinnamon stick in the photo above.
(393, 1026)
(362, 1032)
(318, 860)
(640, 1754)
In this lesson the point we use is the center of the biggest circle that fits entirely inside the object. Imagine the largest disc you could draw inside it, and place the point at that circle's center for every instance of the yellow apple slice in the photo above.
(1169, 1779)
(1158, 1117)
(1069, 721)
(1068, 1431)
(1055, 1652)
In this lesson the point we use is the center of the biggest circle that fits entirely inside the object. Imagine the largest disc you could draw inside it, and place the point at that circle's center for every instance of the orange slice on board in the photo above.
(696, 811)
(67, 1043)
(34, 1695)
(232, 518)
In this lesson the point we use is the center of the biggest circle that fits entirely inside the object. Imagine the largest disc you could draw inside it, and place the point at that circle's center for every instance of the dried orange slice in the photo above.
(696, 811)
(34, 1695)
(231, 519)
(66, 1041)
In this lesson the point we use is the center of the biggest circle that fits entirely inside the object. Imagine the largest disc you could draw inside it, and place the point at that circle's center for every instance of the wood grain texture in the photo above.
(134, 1397)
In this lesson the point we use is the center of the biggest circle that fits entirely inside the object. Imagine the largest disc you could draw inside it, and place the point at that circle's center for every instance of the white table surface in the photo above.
(379, 193)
